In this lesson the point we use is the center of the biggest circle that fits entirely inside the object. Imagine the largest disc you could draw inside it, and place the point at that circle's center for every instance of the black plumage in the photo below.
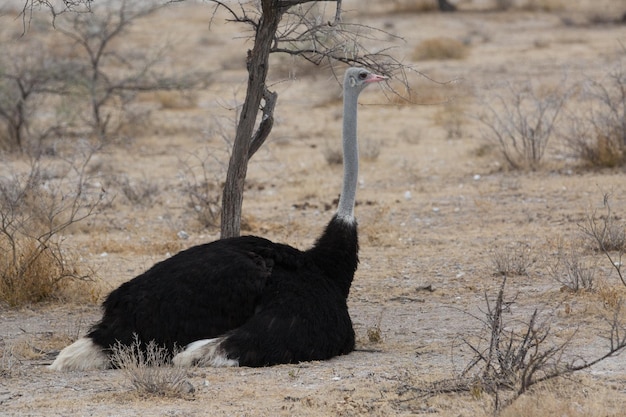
(274, 303)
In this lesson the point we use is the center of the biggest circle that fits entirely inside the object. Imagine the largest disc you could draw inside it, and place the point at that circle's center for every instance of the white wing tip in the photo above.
(81, 355)
(205, 352)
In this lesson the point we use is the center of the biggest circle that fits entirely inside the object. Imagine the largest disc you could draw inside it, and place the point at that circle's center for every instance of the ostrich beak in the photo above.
(374, 78)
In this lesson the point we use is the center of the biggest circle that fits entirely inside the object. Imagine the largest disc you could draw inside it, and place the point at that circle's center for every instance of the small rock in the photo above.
(187, 388)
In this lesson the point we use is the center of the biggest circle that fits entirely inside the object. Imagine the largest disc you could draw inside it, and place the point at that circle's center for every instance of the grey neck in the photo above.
(345, 210)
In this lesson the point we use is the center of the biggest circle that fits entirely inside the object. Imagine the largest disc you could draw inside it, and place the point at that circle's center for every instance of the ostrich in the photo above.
(242, 301)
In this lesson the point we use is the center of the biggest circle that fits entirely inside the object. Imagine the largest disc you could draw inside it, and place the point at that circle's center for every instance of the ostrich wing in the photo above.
(199, 293)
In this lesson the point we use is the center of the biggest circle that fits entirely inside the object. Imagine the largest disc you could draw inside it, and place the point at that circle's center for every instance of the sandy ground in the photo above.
(434, 213)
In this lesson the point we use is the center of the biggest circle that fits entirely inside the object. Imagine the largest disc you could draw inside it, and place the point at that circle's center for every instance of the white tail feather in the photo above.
(205, 352)
(81, 355)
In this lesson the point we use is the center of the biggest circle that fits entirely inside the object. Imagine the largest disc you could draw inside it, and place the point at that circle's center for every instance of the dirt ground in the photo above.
(435, 212)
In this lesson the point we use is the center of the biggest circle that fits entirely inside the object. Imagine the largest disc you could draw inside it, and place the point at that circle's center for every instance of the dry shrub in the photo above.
(412, 6)
(440, 48)
(607, 235)
(571, 270)
(32, 276)
(610, 296)
(605, 231)
(604, 151)
(522, 120)
(177, 99)
(43, 273)
(142, 192)
(597, 133)
(34, 212)
(513, 357)
(513, 260)
(149, 371)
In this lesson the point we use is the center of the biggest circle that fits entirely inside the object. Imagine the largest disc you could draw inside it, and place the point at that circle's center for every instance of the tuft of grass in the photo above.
(441, 48)
(148, 370)
(374, 333)
(512, 261)
(572, 271)
(140, 192)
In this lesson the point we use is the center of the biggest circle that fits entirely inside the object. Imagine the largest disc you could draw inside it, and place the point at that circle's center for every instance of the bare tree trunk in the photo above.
(446, 6)
(257, 63)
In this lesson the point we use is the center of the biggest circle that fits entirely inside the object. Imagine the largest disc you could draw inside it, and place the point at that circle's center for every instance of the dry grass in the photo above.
(563, 398)
(596, 128)
(411, 6)
(38, 274)
(36, 208)
(149, 372)
(598, 148)
(440, 49)
(513, 260)
(9, 361)
(176, 99)
(570, 268)
(141, 192)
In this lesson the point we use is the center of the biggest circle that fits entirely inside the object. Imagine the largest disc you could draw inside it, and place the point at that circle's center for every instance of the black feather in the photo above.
(275, 303)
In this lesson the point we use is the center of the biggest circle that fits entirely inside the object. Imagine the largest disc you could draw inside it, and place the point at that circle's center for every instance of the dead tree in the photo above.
(283, 26)
(99, 61)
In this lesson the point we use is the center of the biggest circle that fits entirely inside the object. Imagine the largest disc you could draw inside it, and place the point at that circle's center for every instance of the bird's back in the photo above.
(201, 292)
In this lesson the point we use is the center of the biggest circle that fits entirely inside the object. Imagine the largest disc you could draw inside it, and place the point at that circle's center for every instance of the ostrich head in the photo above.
(359, 78)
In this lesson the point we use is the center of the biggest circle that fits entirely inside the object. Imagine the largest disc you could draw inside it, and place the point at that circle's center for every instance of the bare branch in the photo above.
(267, 121)
(517, 360)
(608, 235)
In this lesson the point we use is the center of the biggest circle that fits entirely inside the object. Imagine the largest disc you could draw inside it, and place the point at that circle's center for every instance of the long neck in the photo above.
(345, 210)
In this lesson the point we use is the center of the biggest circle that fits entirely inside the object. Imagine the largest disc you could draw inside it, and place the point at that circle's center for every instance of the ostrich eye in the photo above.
(362, 75)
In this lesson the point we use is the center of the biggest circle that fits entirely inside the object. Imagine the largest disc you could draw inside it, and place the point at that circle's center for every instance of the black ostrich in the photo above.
(243, 301)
